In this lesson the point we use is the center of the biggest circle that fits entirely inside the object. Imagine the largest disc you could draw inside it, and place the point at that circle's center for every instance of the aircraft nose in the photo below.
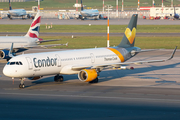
(6, 71)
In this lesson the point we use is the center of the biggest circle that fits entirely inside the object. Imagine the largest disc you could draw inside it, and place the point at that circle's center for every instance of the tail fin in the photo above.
(81, 6)
(128, 39)
(10, 8)
(33, 31)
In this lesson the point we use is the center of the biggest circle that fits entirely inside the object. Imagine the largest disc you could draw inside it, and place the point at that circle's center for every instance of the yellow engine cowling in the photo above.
(35, 78)
(87, 75)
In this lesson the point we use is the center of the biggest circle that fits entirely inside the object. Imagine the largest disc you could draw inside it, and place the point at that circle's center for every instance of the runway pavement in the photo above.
(90, 34)
(117, 21)
(150, 91)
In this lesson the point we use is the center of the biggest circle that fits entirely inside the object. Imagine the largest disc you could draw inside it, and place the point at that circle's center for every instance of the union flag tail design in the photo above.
(33, 31)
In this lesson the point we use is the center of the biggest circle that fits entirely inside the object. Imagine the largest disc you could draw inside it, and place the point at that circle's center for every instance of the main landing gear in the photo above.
(21, 85)
(58, 78)
(94, 81)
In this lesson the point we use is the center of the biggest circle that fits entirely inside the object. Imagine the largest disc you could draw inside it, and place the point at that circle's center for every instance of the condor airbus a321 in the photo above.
(87, 63)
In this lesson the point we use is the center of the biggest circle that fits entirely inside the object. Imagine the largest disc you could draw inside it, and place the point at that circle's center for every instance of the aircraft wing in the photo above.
(42, 41)
(52, 45)
(79, 67)
(24, 48)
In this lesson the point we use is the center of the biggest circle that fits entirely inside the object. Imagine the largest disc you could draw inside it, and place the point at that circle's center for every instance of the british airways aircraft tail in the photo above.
(10, 8)
(33, 31)
(128, 39)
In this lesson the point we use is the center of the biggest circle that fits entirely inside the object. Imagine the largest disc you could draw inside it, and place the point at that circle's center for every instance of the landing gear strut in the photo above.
(58, 78)
(94, 81)
(21, 85)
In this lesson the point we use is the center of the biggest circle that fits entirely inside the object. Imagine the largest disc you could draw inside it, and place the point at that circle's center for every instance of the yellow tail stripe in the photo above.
(117, 53)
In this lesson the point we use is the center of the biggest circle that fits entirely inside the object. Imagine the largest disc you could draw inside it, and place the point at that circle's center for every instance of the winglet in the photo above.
(11, 51)
(172, 55)
(66, 44)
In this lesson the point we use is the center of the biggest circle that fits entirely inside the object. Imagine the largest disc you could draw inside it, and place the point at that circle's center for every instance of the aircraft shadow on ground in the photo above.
(114, 74)
(124, 73)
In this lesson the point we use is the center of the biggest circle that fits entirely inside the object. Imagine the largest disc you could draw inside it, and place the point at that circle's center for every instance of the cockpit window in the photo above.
(15, 63)
(20, 63)
(12, 63)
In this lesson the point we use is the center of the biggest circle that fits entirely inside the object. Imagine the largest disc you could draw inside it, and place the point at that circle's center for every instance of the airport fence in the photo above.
(73, 15)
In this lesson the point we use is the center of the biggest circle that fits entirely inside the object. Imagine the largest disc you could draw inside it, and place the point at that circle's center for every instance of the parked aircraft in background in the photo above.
(88, 13)
(21, 43)
(87, 63)
(175, 15)
(17, 12)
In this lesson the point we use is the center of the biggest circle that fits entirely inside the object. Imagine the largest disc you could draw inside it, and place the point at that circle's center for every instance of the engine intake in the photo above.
(87, 75)
(4, 54)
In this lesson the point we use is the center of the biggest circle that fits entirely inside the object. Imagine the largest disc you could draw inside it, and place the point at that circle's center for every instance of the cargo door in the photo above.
(92, 58)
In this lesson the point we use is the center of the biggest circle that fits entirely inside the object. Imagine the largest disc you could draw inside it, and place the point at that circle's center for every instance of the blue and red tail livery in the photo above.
(33, 31)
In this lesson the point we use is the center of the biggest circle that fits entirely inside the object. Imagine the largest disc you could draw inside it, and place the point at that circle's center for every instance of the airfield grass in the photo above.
(93, 28)
(81, 42)
(68, 4)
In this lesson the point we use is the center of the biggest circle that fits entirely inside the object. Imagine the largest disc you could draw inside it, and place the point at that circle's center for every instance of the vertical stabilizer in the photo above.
(33, 31)
(128, 39)
(10, 8)
(81, 6)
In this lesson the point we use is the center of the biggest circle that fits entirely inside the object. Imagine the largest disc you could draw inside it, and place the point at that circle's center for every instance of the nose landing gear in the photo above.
(21, 85)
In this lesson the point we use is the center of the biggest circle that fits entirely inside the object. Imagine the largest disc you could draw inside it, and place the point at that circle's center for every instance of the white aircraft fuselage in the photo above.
(64, 62)
(19, 41)
(17, 12)
(89, 13)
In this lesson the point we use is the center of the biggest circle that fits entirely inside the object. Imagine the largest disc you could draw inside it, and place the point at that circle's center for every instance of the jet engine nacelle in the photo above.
(100, 16)
(35, 78)
(4, 54)
(87, 75)
(80, 16)
(176, 16)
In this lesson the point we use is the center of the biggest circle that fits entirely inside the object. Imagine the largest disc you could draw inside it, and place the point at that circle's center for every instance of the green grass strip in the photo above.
(81, 42)
(68, 4)
(93, 28)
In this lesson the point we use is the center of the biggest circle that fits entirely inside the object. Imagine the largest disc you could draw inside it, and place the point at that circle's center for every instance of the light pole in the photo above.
(138, 5)
(76, 5)
(116, 8)
(103, 6)
(108, 28)
(122, 5)
(162, 6)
